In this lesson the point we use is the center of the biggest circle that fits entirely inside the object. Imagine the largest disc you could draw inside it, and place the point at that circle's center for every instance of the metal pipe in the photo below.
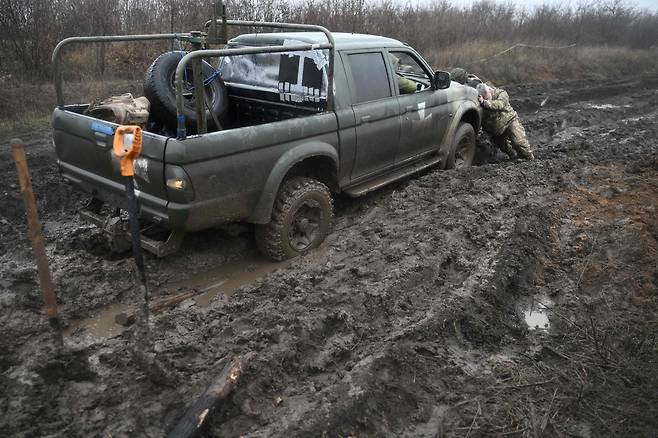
(180, 69)
(199, 92)
(296, 26)
(36, 236)
(56, 58)
(271, 24)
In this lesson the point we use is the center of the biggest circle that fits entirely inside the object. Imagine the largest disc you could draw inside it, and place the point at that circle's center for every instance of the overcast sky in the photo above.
(640, 4)
(652, 5)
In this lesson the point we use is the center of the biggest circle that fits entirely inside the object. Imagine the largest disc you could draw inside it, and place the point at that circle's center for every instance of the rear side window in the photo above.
(369, 77)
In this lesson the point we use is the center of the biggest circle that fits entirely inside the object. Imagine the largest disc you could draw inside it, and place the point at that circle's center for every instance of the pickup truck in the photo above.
(335, 114)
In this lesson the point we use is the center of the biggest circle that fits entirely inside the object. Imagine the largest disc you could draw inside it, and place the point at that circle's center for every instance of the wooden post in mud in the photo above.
(198, 413)
(36, 236)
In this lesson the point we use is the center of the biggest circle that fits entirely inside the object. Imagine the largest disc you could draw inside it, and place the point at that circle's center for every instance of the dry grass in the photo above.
(27, 106)
(523, 64)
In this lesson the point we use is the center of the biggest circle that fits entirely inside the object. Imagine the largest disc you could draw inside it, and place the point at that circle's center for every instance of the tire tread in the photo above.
(269, 236)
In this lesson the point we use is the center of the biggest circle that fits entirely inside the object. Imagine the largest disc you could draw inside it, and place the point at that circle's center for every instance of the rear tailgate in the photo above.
(84, 150)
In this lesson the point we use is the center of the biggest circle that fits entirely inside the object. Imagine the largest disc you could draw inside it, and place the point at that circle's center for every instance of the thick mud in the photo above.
(512, 299)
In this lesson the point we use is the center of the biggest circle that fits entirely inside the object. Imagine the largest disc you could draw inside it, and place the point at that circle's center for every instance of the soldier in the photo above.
(501, 122)
(406, 86)
(463, 77)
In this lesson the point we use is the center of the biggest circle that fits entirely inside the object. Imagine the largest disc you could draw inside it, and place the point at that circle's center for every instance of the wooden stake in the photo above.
(36, 236)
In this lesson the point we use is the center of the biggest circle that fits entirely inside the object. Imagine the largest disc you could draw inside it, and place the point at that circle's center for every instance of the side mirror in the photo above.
(441, 80)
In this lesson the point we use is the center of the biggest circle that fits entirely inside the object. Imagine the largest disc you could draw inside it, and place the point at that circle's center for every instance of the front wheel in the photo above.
(463, 148)
(301, 219)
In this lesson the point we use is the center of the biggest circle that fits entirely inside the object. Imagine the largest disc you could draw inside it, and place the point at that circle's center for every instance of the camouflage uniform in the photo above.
(463, 77)
(406, 86)
(458, 75)
(501, 121)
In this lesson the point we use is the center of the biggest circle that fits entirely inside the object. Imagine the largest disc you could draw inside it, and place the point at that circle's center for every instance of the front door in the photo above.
(424, 113)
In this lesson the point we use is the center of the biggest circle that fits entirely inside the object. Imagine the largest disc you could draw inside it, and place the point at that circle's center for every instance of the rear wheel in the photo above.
(463, 148)
(301, 219)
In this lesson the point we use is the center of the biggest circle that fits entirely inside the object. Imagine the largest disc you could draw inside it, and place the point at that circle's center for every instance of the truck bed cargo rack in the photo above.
(199, 40)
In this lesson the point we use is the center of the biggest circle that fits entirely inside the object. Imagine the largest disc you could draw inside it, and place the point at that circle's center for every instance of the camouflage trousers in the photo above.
(513, 139)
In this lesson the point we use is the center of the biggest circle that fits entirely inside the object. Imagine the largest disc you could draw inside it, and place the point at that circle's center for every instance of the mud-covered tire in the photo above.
(463, 147)
(301, 219)
(160, 90)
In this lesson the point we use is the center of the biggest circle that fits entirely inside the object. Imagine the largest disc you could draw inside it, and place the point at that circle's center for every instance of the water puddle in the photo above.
(536, 313)
(606, 106)
(206, 285)
(227, 278)
(100, 326)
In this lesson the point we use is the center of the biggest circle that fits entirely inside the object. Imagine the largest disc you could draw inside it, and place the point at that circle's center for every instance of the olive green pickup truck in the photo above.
(305, 115)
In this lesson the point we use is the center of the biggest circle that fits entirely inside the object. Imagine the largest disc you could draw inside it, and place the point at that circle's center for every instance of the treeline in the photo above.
(29, 29)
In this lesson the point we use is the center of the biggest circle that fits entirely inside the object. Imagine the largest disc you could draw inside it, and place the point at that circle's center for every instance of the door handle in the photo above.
(410, 108)
(366, 119)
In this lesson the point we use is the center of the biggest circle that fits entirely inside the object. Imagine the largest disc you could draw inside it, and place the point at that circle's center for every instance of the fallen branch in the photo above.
(197, 414)
(470, 429)
(128, 318)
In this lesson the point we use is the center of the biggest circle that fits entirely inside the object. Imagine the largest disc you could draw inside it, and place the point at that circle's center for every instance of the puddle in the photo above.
(221, 280)
(227, 278)
(606, 106)
(100, 326)
(536, 312)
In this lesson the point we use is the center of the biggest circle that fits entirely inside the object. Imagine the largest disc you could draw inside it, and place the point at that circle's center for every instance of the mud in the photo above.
(513, 299)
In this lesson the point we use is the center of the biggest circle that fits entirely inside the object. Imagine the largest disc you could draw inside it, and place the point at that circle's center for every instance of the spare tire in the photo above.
(160, 90)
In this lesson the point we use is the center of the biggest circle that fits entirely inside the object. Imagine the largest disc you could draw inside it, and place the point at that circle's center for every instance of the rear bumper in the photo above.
(174, 216)
(121, 239)
(113, 193)
(179, 217)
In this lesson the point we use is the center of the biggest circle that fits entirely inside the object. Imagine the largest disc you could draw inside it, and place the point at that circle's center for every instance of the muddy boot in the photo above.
(502, 143)
(509, 150)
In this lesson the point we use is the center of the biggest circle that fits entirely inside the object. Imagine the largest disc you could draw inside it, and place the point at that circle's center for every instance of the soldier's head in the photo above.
(458, 75)
(484, 90)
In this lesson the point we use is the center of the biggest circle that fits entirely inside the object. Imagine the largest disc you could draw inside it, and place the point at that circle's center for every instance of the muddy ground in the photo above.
(512, 299)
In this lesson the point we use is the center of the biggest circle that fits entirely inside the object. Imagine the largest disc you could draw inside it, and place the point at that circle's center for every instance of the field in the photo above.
(510, 299)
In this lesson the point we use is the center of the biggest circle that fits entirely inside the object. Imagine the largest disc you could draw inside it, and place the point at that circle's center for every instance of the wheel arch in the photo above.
(314, 160)
(471, 116)
(467, 112)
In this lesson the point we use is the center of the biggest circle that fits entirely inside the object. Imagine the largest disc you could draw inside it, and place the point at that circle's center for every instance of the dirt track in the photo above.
(410, 321)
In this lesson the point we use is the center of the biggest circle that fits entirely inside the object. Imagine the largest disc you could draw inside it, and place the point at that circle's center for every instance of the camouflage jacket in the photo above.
(497, 112)
(405, 85)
